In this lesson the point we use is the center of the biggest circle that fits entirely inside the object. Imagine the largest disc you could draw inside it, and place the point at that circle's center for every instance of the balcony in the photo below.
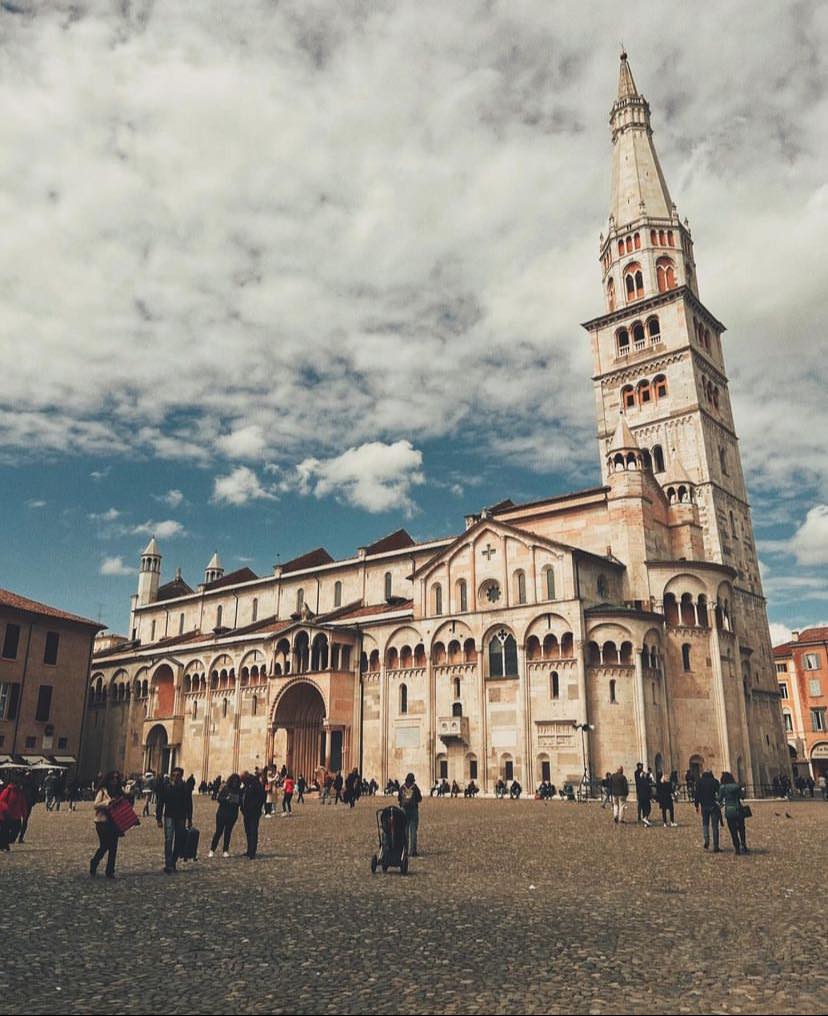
(453, 728)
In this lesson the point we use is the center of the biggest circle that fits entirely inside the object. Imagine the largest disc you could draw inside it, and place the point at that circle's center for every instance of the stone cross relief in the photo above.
(487, 553)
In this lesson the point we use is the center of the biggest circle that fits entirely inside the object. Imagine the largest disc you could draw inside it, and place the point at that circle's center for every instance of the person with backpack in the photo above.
(174, 814)
(252, 802)
(229, 800)
(409, 798)
(287, 795)
(109, 792)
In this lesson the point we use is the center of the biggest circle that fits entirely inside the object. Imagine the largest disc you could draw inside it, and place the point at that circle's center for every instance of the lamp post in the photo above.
(586, 783)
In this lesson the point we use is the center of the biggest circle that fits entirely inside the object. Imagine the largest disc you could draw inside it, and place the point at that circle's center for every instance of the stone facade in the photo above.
(634, 608)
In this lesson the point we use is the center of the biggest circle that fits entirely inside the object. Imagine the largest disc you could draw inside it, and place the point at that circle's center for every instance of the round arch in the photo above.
(299, 709)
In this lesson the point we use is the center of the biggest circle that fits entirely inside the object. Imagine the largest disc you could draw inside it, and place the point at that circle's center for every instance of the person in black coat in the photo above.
(252, 802)
(706, 799)
(174, 814)
(664, 796)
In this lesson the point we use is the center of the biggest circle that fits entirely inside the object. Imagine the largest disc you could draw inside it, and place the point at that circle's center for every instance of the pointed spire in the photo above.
(215, 561)
(626, 83)
(623, 439)
(152, 549)
(675, 471)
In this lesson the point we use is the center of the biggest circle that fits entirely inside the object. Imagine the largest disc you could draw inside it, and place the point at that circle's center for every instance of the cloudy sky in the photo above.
(282, 274)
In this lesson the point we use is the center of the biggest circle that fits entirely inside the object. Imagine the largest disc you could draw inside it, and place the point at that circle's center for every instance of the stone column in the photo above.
(720, 706)
(640, 711)
(484, 727)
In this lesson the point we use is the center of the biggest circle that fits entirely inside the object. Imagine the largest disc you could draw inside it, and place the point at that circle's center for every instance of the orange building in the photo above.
(802, 672)
(44, 663)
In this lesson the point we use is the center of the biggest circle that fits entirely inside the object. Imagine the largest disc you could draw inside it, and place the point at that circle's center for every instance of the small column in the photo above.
(641, 717)
(484, 726)
(719, 698)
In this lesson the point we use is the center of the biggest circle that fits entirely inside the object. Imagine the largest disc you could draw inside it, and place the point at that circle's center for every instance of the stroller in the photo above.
(392, 827)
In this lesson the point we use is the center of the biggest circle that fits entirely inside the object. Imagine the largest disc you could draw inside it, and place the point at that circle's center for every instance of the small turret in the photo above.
(214, 570)
(149, 574)
(624, 452)
(682, 513)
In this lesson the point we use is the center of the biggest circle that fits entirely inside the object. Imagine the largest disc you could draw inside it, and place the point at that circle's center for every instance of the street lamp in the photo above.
(586, 782)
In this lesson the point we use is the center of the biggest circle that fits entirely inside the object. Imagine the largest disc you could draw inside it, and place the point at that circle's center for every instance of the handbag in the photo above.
(122, 815)
(746, 812)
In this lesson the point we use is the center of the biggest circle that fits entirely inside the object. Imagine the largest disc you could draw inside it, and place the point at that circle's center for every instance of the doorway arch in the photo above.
(158, 755)
(300, 711)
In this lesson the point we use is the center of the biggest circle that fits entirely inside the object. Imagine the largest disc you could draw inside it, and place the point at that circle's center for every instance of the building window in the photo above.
(403, 699)
(437, 597)
(337, 594)
(666, 272)
(781, 668)
(520, 586)
(788, 721)
(473, 769)
(603, 587)
(658, 459)
(388, 585)
(219, 611)
(723, 460)
(50, 654)
(550, 583)
(623, 340)
(818, 720)
(508, 771)
(152, 632)
(63, 743)
(463, 595)
(11, 641)
(44, 703)
(31, 742)
(685, 655)
(634, 281)
(300, 600)
(811, 661)
(254, 614)
(612, 691)
(503, 655)
(783, 689)
(9, 698)
(815, 687)
(554, 685)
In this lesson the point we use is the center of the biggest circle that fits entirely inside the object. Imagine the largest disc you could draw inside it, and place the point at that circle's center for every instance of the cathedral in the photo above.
(546, 640)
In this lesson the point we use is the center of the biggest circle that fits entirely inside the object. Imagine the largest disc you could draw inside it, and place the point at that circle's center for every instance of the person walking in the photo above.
(620, 790)
(252, 801)
(409, 798)
(73, 793)
(287, 795)
(109, 791)
(13, 810)
(229, 799)
(327, 784)
(29, 788)
(301, 787)
(337, 787)
(706, 800)
(664, 796)
(147, 790)
(730, 795)
(174, 814)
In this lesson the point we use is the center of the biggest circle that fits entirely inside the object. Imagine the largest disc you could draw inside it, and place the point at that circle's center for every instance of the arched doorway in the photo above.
(158, 752)
(301, 713)
(164, 685)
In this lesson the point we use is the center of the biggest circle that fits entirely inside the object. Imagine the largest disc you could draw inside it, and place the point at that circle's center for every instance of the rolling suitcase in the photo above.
(190, 852)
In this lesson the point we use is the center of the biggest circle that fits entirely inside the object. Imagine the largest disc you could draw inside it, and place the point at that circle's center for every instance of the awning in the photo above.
(32, 760)
(64, 760)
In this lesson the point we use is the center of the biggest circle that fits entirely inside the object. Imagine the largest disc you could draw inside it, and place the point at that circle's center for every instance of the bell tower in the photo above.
(657, 349)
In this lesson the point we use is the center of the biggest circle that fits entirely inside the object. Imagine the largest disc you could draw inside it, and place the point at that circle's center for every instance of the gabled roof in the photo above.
(394, 541)
(807, 637)
(173, 589)
(524, 534)
(17, 602)
(233, 578)
(370, 609)
(309, 560)
(623, 438)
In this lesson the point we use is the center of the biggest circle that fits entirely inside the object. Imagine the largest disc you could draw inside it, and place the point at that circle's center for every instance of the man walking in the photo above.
(409, 798)
(620, 789)
(706, 800)
(252, 802)
(174, 814)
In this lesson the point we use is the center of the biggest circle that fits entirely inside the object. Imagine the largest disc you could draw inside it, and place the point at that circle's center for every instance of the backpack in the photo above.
(407, 796)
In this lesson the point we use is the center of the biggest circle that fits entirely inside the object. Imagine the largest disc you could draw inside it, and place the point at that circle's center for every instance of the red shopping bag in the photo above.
(122, 815)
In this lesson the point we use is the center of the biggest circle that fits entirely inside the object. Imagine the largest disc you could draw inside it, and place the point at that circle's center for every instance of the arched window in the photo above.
(502, 655)
(255, 612)
(612, 691)
(520, 586)
(403, 699)
(611, 295)
(637, 241)
(300, 600)
(254, 705)
(658, 459)
(549, 576)
(224, 707)
(337, 593)
(457, 709)
(685, 655)
(462, 595)
(437, 598)
(554, 685)
(644, 392)
(180, 624)
(195, 709)
(628, 397)
(623, 341)
(654, 329)
(653, 237)
(457, 687)
(388, 585)
(666, 274)
(639, 336)
(723, 460)
(634, 281)
(660, 385)
(218, 617)
(620, 247)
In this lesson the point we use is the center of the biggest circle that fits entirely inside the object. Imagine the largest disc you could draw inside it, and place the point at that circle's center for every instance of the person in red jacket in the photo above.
(287, 795)
(13, 809)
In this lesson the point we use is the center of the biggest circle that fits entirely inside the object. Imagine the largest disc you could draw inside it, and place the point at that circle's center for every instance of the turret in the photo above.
(214, 570)
(149, 574)
(686, 534)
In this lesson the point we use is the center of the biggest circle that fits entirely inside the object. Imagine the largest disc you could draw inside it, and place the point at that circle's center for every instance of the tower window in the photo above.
(612, 691)
(666, 274)
(723, 460)
(437, 597)
(637, 241)
(554, 685)
(634, 281)
(685, 656)
(403, 699)
(623, 339)
(654, 329)
(628, 397)
(644, 392)
(660, 384)
(337, 593)
(638, 335)
(611, 294)
(658, 459)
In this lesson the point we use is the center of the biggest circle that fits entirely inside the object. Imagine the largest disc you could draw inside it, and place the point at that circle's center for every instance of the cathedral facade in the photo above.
(614, 625)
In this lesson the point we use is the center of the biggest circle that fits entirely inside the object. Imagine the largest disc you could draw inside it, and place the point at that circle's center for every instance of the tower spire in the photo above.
(626, 83)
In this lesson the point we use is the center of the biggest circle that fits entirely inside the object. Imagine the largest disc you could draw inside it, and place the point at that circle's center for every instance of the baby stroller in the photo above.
(392, 826)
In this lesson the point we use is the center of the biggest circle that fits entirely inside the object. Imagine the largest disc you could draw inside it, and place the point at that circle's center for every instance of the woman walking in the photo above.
(664, 796)
(229, 799)
(730, 795)
(13, 810)
(287, 795)
(109, 791)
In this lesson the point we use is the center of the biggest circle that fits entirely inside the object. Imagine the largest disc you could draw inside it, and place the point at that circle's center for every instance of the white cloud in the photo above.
(36, 503)
(164, 530)
(239, 487)
(375, 476)
(110, 515)
(779, 633)
(809, 543)
(172, 498)
(244, 443)
(115, 566)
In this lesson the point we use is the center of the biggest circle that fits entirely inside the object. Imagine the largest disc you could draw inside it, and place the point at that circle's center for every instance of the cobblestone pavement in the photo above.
(518, 907)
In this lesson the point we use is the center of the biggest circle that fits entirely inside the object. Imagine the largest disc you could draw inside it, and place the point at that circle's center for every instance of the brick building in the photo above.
(635, 608)
(44, 666)
(802, 673)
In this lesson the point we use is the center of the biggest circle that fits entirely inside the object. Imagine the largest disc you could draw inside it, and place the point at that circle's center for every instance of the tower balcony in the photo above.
(453, 728)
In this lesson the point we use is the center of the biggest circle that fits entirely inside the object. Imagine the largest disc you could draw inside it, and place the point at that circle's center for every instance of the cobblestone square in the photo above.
(518, 907)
